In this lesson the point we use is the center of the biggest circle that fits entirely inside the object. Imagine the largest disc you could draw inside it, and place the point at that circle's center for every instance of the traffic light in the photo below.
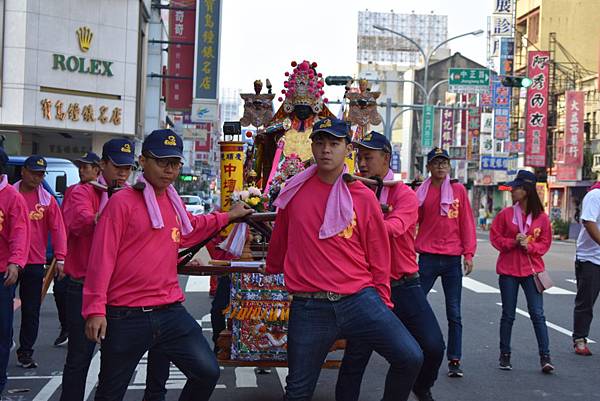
(337, 80)
(516, 82)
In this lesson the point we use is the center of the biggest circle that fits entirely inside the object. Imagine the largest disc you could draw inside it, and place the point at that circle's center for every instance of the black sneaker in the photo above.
(62, 338)
(454, 369)
(505, 361)
(26, 361)
(423, 395)
(546, 364)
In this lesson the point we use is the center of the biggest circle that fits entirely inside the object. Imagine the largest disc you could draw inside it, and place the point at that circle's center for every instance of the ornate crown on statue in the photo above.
(304, 86)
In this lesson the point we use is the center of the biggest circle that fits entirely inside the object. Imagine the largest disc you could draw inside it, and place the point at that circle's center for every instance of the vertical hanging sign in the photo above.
(207, 51)
(182, 24)
(447, 128)
(537, 109)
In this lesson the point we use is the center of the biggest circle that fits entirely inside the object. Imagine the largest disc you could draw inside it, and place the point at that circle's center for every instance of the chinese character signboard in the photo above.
(486, 123)
(507, 55)
(232, 173)
(537, 109)
(207, 52)
(181, 56)
(457, 152)
(486, 144)
(574, 129)
(501, 123)
(494, 163)
(427, 137)
(473, 126)
(468, 80)
(447, 128)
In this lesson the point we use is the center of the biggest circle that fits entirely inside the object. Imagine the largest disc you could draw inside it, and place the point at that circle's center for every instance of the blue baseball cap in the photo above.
(120, 152)
(163, 143)
(523, 177)
(332, 126)
(3, 157)
(88, 158)
(437, 152)
(35, 163)
(376, 141)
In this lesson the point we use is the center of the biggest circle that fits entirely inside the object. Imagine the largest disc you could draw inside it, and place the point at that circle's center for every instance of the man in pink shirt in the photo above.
(89, 169)
(44, 218)
(446, 232)
(131, 298)
(81, 209)
(330, 242)
(410, 303)
(14, 249)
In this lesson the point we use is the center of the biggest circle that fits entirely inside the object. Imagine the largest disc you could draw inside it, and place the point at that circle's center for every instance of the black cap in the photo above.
(88, 158)
(3, 157)
(120, 152)
(332, 126)
(437, 152)
(376, 141)
(163, 143)
(523, 177)
(35, 163)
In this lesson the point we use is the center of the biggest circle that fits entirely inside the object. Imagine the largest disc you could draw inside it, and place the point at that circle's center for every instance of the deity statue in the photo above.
(363, 107)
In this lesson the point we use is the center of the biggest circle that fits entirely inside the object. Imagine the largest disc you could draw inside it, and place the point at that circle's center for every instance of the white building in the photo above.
(73, 74)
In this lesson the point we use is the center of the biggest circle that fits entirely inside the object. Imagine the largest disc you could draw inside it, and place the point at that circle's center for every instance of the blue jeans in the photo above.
(80, 350)
(315, 324)
(413, 310)
(30, 292)
(171, 331)
(7, 295)
(159, 364)
(509, 289)
(449, 268)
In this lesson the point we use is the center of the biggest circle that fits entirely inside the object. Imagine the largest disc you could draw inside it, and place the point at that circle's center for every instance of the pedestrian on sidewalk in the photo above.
(587, 270)
(445, 236)
(330, 242)
(82, 205)
(45, 218)
(410, 302)
(522, 234)
(14, 250)
(89, 169)
(131, 298)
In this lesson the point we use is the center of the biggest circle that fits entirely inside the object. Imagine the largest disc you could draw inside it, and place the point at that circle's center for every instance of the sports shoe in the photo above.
(505, 361)
(26, 361)
(454, 369)
(62, 338)
(546, 364)
(581, 347)
(423, 395)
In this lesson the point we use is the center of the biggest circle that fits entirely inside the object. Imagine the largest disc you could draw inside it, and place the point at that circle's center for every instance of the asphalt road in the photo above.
(574, 378)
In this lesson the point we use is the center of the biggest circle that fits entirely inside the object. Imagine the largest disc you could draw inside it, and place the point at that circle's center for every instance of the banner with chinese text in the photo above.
(537, 109)
(207, 52)
(182, 28)
(574, 128)
(447, 128)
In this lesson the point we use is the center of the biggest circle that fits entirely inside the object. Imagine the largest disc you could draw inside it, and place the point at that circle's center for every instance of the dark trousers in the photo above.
(315, 324)
(171, 331)
(413, 310)
(509, 289)
(80, 350)
(60, 299)
(7, 295)
(450, 270)
(220, 302)
(588, 287)
(158, 364)
(30, 292)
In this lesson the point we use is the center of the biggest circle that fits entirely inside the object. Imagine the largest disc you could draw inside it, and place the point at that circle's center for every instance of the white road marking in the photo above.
(571, 280)
(49, 389)
(478, 287)
(558, 291)
(282, 374)
(549, 324)
(245, 377)
(51, 288)
(197, 284)
(92, 377)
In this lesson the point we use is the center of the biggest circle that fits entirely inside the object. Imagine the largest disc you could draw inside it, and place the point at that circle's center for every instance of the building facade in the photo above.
(73, 74)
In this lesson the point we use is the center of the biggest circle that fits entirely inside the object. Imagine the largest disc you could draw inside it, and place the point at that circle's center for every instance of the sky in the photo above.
(259, 38)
